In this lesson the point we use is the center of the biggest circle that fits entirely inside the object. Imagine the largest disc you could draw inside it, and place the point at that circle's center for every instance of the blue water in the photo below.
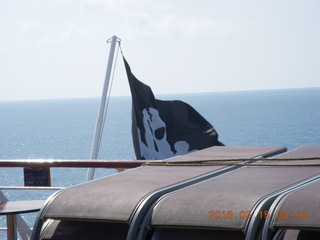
(64, 129)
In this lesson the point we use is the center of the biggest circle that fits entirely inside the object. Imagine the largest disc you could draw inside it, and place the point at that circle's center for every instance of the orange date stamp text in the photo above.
(260, 214)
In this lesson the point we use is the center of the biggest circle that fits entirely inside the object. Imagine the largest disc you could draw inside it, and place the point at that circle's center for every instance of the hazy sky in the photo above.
(58, 49)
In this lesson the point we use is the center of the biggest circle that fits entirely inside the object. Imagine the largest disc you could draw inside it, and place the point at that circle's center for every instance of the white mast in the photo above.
(100, 118)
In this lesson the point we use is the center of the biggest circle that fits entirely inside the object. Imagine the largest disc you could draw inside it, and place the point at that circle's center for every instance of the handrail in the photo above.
(29, 188)
(57, 163)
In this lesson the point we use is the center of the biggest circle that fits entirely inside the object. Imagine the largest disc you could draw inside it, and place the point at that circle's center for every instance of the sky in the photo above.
(51, 49)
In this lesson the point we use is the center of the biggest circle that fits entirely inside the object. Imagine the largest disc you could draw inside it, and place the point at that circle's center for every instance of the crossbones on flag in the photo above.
(163, 129)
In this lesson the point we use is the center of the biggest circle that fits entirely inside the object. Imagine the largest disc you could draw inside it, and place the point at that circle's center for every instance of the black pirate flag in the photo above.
(163, 129)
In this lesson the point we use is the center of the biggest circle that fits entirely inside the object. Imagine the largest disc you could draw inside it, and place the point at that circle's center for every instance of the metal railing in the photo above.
(57, 163)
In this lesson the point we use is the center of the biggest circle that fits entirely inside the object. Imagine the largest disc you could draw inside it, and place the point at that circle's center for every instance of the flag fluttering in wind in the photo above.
(164, 129)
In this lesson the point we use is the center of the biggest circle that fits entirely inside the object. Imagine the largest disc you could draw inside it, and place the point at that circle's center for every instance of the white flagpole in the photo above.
(97, 133)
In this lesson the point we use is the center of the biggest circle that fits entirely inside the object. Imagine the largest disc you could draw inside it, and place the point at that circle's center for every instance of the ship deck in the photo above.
(219, 192)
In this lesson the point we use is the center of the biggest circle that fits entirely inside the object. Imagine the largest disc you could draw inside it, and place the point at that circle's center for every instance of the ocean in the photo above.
(63, 129)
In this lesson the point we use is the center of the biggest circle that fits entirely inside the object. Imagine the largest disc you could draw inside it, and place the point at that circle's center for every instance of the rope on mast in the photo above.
(102, 109)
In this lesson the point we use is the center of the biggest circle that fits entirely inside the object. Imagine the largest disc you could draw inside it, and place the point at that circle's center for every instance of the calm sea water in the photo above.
(64, 129)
